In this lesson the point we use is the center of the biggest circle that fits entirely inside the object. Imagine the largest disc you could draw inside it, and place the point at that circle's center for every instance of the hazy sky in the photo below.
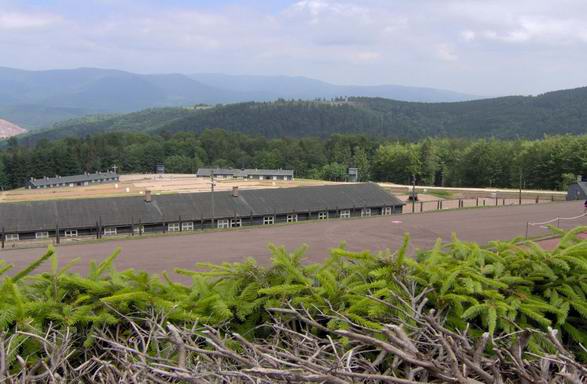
(484, 47)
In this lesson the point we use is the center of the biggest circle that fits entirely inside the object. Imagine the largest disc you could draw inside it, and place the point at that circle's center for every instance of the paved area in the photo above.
(157, 254)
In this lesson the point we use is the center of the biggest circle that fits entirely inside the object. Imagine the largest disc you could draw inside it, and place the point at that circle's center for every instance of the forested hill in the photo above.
(505, 117)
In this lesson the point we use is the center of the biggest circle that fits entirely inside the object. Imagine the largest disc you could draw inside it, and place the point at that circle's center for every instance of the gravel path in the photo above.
(156, 254)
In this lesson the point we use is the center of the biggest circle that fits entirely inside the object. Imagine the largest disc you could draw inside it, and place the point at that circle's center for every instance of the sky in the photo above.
(481, 47)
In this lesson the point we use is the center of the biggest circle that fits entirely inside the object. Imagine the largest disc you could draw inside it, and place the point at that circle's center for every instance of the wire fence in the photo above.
(542, 228)
(442, 204)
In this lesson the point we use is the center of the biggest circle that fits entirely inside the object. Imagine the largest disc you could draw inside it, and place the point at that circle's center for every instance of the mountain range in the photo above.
(553, 113)
(37, 99)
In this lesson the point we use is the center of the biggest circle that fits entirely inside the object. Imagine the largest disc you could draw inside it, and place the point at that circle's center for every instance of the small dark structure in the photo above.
(578, 190)
(191, 211)
(73, 181)
(353, 175)
(160, 169)
(243, 174)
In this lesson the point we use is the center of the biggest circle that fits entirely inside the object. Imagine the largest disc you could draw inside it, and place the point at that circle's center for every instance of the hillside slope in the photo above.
(559, 112)
(37, 99)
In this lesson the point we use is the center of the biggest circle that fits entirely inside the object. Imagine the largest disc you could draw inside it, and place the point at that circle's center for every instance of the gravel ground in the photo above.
(156, 254)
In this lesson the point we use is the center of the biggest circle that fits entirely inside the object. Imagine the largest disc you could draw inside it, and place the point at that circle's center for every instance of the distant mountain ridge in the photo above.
(37, 99)
(553, 113)
(268, 88)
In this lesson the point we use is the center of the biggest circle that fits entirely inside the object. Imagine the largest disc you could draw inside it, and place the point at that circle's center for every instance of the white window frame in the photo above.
(292, 218)
(11, 237)
(70, 233)
(41, 235)
(187, 226)
(386, 211)
(345, 214)
(173, 227)
(236, 223)
(322, 215)
(138, 229)
(110, 231)
(223, 223)
(365, 212)
(268, 220)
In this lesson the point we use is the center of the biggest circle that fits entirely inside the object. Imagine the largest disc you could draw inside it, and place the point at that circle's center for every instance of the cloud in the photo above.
(480, 47)
(446, 53)
(19, 20)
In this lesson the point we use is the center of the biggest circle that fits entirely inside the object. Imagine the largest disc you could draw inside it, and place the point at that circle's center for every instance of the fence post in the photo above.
(440, 204)
(3, 236)
(140, 227)
(477, 201)
(537, 199)
(57, 238)
(502, 201)
(421, 206)
(551, 197)
(483, 201)
(496, 200)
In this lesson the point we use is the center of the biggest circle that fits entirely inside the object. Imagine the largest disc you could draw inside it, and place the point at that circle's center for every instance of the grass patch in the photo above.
(440, 193)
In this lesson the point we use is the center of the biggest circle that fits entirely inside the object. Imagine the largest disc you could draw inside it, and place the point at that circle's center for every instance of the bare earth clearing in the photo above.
(186, 183)
(8, 129)
(156, 254)
(136, 184)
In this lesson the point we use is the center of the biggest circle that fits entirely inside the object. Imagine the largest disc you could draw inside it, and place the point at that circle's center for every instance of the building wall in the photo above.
(575, 192)
(152, 228)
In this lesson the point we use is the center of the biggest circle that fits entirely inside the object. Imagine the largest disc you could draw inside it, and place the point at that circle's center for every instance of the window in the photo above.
(42, 235)
(109, 231)
(322, 215)
(292, 218)
(345, 214)
(386, 211)
(235, 223)
(187, 226)
(12, 236)
(268, 220)
(70, 233)
(223, 223)
(173, 227)
(366, 212)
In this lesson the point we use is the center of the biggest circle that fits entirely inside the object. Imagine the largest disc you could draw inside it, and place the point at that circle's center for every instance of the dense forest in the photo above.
(550, 163)
(512, 117)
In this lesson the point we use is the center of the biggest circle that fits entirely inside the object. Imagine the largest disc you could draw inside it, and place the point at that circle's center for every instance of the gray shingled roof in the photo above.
(73, 179)
(206, 172)
(84, 213)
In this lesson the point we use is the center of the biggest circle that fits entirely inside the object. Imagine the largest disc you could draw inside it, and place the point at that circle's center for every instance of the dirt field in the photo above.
(137, 184)
(182, 183)
(157, 254)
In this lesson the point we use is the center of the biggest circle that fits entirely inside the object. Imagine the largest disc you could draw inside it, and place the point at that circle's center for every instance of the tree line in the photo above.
(549, 163)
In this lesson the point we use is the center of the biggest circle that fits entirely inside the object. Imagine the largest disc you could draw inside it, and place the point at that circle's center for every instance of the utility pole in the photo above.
(413, 193)
(520, 195)
(212, 184)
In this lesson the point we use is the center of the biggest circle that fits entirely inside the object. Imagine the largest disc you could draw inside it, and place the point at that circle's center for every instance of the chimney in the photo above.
(147, 196)
(235, 191)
